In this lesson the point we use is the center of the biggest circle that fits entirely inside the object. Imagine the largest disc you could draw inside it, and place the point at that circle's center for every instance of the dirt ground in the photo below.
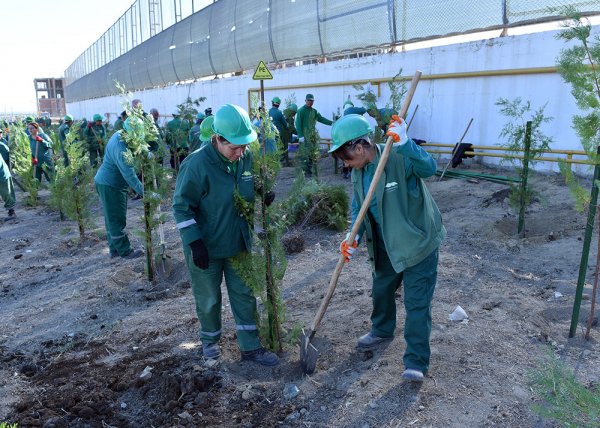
(78, 328)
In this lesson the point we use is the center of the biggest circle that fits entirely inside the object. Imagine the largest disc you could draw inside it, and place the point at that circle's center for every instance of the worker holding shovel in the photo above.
(41, 152)
(403, 229)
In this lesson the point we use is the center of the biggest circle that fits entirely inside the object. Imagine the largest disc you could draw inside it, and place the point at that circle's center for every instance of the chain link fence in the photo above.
(230, 36)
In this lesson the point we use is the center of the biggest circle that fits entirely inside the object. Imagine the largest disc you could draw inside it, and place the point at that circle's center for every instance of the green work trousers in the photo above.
(46, 168)
(7, 192)
(307, 153)
(114, 207)
(419, 285)
(206, 286)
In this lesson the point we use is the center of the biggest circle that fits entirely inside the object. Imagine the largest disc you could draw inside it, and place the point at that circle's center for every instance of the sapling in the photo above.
(22, 163)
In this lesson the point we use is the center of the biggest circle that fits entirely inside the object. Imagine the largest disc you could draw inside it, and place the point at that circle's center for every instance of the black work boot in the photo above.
(11, 215)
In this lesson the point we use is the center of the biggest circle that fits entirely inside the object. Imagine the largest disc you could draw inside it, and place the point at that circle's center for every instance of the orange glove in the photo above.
(397, 130)
(347, 249)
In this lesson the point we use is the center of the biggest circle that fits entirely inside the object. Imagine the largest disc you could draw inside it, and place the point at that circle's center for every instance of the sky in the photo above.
(41, 38)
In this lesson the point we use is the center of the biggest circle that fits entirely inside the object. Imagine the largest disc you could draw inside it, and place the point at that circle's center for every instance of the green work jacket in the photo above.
(95, 136)
(115, 170)
(177, 133)
(203, 202)
(4, 161)
(194, 138)
(408, 217)
(63, 130)
(44, 149)
(278, 120)
(306, 119)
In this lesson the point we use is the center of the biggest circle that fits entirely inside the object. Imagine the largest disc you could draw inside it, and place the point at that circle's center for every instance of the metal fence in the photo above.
(159, 42)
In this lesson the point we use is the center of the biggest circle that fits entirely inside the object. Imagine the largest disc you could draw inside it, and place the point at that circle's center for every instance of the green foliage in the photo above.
(188, 109)
(290, 99)
(7, 425)
(580, 194)
(514, 132)
(153, 175)
(263, 269)
(565, 400)
(311, 202)
(578, 66)
(21, 160)
(72, 189)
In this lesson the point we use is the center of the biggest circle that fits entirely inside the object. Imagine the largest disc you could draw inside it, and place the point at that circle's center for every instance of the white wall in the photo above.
(445, 105)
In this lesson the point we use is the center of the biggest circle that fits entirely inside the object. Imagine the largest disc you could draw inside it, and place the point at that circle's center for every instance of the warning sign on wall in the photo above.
(262, 72)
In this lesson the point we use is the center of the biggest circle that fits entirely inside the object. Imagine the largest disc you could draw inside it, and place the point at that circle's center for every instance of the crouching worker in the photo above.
(403, 228)
(213, 231)
(115, 175)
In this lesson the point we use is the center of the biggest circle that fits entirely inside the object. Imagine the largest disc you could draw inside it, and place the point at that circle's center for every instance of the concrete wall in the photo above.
(446, 104)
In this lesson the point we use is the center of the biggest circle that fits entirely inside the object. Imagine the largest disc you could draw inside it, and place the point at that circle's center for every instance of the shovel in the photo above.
(308, 353)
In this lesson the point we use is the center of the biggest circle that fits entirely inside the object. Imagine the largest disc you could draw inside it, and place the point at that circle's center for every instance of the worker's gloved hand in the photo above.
(348, 249)
(301, 140)
(34, 161)
(269, 198)
(38, 138)
(199, 254)
(397, 130)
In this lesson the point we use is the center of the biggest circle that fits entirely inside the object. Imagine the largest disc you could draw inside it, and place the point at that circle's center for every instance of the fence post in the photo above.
(524, 174)
(586, 249)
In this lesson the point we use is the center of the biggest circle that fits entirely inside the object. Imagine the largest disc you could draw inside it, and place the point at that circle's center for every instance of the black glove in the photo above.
(269, 198)
(199, 254)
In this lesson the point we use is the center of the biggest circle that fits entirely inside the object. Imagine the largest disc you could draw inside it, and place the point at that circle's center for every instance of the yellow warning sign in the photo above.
(262, 72)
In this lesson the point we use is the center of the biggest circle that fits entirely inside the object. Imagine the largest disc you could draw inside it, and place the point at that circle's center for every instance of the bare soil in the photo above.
(78, 328)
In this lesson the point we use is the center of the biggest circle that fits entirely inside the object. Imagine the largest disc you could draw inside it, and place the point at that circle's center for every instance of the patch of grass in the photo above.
(7, 425)
(65, 230)
(564, 399)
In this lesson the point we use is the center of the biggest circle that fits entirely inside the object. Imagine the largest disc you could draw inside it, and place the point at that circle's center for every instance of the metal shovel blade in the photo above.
(308, 354)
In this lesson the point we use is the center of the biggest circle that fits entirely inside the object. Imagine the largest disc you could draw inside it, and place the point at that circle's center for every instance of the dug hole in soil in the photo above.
(77, 329)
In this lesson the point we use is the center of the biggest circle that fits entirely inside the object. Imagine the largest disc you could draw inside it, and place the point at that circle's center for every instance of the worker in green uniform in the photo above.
(213, 231)
(63, 131)
(289, 114)
(41, 152)
(7, 189)
(282, 127)
(194, 134)
(112, 180)
(350, 109)
(95, 135)
(403, 230)
(306, 119)
(118, 125)
(177, 139)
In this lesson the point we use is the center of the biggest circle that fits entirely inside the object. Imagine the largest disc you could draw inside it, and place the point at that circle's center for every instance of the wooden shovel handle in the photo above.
(363, 209)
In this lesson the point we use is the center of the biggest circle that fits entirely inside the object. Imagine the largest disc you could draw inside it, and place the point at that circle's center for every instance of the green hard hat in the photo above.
(233, 123)
(293, 107)
(200, 116)
(347, 129)
(68, 118)
(29, 119)
(96, 117)
(276, 100)
(206, 131)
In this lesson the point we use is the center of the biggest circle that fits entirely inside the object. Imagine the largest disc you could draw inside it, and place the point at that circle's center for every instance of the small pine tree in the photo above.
(513, 132)
(71, 190)
(22, 162)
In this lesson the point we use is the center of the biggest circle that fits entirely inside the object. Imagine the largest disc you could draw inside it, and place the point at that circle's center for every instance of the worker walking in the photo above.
(177, 139)
(7, 189)
(115, 175)
(41, 152)
(213, 231)
(404, 230)
(282, 127)
(194, 134)
(95, 135)
(306, 120)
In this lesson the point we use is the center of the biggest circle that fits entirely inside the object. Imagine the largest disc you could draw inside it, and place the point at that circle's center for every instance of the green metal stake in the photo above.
(586, 250)
(524, 174)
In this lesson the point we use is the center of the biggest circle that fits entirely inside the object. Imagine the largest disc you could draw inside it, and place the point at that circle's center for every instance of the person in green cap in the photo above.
(95, 135)
(213, 231)
(7, 189)
(63, 131)
(115, 175)
(404, 230)
(177, 139)
(41, 152)
(194, 134)
(282, 127)
(306, 120)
